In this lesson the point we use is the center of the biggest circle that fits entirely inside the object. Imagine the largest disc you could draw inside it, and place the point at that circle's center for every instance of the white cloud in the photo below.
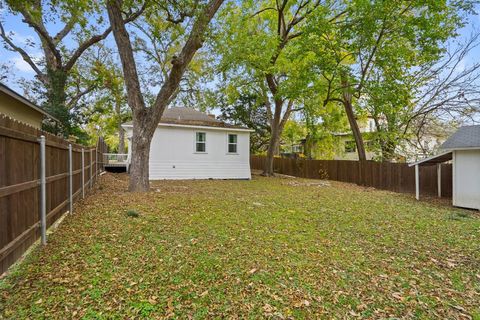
(21, 65)
(18, 63)
(20, 39)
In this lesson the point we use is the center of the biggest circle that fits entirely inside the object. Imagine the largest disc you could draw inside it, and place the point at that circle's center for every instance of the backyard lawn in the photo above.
(270, 247)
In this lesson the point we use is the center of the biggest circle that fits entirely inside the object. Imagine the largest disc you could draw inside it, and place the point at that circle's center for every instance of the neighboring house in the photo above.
(189, 144)
(20, 108)
(346, 148)
(427, 144)
(463, 149)
(292, 150)
(344, 144)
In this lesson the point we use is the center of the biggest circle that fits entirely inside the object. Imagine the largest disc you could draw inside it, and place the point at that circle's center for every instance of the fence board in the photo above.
(397, 177)
(19, 184)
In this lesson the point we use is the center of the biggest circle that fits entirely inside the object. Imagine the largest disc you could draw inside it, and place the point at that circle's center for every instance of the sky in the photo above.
(22, 34)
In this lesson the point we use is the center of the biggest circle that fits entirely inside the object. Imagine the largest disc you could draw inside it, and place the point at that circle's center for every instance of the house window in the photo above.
(200, 142)
(232, 143)
(350, 146)
(297, 148)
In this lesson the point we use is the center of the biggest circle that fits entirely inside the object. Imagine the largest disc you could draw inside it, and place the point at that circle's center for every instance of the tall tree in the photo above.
(59, 57)
(264, 34)
(378, 40)
(146, 118)
(244, 109)
(106, 108)
(413, 106)
(114, 96)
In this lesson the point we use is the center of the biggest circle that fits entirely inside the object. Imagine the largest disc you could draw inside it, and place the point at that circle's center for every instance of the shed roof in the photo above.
(192, 117)
(25, 101)
(464, 138)
(439, 158)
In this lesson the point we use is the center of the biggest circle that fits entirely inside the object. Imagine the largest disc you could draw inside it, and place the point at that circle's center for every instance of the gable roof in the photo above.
(191, 117)
(187, 114)
(13, 94)
(467, 137)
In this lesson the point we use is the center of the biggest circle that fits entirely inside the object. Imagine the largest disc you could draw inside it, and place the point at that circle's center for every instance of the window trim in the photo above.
(228, 143)
(195, 142)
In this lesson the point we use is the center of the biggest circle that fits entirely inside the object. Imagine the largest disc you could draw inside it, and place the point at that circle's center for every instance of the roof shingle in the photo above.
(464, 137)
(192, 117)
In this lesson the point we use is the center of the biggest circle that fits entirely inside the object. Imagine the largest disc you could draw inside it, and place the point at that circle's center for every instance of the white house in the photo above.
(463, 149)
(189, 144)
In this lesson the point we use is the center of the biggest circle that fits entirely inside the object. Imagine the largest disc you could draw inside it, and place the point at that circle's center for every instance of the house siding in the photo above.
(341, 154)
(173, 156)
(466, 183)
(19, 111)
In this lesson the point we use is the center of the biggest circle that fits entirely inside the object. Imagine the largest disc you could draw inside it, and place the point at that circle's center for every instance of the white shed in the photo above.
(463, 149)
(189, 144)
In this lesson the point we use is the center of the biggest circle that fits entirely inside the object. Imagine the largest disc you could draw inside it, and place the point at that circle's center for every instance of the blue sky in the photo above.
(22, 34)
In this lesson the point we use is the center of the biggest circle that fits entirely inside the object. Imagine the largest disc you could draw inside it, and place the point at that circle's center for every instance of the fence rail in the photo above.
(397, 177)
(115, 159)
(69, 171)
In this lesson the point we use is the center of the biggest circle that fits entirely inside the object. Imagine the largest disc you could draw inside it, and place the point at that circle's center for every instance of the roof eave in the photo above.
(18, 97)
(129, 125)
(461, 148)
(423, 161)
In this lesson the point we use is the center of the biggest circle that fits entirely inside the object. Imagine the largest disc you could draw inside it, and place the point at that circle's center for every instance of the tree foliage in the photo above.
(148, 110)
(371, 51)
(265, 37)
(65, 30)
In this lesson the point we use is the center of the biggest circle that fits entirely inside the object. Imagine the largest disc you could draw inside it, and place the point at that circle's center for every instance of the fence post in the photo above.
(439, 180)
(417, 182)
(43, 192)
(91, 170)
(96, 162)
(70, 178)
(83, 173)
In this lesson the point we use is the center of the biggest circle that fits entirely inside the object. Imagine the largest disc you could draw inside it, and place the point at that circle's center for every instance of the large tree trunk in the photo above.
(56, 102)
(357, 135)
(276, 128)
(272, 147)
(145, 120)
(141, 140)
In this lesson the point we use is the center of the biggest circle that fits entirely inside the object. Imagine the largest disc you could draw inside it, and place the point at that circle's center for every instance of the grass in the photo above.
(270, 247)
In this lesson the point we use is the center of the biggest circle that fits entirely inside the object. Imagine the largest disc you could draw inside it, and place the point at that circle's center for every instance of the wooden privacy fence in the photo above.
(397, 177)
(28, 188)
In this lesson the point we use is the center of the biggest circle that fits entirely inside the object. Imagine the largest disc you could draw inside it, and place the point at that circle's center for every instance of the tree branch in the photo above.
(180, 63)
(73, 101)
(23, 53)
(97, 38)
(39, 27)
(132, 83)
(66, 30)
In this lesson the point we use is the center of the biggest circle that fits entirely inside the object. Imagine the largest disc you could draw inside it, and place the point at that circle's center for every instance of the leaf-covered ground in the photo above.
(270, 247)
